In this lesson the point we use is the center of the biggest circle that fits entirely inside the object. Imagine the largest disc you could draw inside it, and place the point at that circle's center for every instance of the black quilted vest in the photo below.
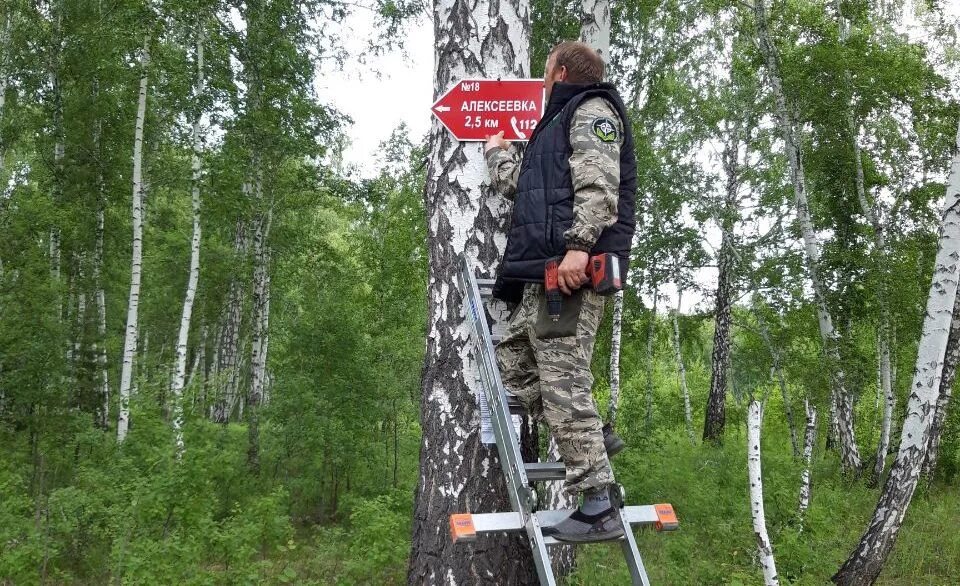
(543, 206)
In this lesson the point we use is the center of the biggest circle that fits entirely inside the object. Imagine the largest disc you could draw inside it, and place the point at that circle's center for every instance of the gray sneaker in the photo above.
(612, 441)
(582, 528)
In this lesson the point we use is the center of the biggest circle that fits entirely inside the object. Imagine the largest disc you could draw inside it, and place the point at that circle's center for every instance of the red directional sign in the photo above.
(475, 108)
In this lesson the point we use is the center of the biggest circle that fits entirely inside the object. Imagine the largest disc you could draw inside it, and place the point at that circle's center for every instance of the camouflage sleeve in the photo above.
(504, 168)
(596, 134)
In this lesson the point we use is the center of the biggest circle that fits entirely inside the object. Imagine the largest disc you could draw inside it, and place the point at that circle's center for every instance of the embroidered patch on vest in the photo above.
(605, 129)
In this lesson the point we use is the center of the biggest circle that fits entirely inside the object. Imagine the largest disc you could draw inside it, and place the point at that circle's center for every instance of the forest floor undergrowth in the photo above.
(708, 488)
(715, 545)
(142, 519)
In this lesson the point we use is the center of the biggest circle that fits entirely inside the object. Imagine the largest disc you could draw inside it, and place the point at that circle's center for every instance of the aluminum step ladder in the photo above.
(524, 515)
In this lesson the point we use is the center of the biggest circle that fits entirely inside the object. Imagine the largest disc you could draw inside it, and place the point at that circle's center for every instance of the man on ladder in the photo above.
(574, 197)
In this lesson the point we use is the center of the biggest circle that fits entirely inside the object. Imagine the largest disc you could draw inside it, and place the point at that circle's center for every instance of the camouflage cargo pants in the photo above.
(546, 364)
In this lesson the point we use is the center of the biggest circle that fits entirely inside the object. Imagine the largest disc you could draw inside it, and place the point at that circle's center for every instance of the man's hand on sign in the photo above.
(496, 141)
(572, 273)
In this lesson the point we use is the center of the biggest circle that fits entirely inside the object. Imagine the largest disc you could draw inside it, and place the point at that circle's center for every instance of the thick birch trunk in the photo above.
(943, 398)
(226, 363)
(682, 372)
(651, 332)
(595, 26)
(714, 419)
(764, 548)
(617, 329)
(133, 301)
(457, 472)
(809, 440)
(260, 321)
(867, 560)
(180, 369)
(849, 453)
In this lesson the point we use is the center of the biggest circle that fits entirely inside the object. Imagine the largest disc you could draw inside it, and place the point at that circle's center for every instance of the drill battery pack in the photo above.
(604, 273)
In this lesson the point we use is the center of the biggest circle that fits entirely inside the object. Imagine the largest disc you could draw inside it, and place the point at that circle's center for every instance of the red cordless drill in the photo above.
(603, 270)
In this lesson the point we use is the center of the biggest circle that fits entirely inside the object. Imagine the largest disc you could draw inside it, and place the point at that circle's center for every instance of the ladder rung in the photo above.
(512, 521)
(538, 471)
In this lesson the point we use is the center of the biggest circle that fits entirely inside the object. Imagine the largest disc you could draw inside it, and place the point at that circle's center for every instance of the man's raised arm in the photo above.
(503, 165)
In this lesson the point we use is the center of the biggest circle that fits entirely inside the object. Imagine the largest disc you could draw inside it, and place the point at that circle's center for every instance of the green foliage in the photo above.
(708, 488)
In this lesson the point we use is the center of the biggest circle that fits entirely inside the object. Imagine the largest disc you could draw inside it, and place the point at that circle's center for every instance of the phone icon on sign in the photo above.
(513, 124)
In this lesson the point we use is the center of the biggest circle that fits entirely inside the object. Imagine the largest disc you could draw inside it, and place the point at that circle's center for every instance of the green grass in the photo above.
(708, 488)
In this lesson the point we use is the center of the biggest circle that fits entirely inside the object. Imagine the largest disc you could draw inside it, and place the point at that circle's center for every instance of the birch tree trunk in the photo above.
(100, 346)
(889, 401)
(880, 249)
(849, 453)
(457, 472)
(180, 369)
(59, 146)
(809, 440)
(943, 398)
(226, 364)
(133, 301)
(617, 329)
(595, 26)
(103, 400)
(715, 417)
(682, 372)
(651, 332)
(260, 321)
(764, 548)
(200, 368)
(867, 560)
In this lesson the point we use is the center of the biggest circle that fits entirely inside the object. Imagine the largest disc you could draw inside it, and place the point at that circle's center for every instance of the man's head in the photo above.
(572, 62)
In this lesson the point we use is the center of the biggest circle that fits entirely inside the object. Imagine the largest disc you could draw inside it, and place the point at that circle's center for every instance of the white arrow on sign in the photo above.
(443, 108)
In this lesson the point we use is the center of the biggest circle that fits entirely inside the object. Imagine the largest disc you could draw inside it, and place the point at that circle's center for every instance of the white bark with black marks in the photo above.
(951, 357)
(103, 415)
(180, 369)
(681, 371)
(764, 547)
(260, 324)
(809, 441)
(886, 422)
(458, 473)
(595, 26)
(714, 419)
(849, 453)
(136, 260)
(867, 560)
(226, 357)
(617, 329)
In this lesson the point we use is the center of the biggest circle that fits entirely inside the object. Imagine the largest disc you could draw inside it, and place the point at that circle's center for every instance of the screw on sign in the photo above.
(475, 108)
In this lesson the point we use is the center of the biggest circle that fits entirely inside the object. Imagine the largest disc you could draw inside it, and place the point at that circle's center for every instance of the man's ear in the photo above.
(563, 73)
